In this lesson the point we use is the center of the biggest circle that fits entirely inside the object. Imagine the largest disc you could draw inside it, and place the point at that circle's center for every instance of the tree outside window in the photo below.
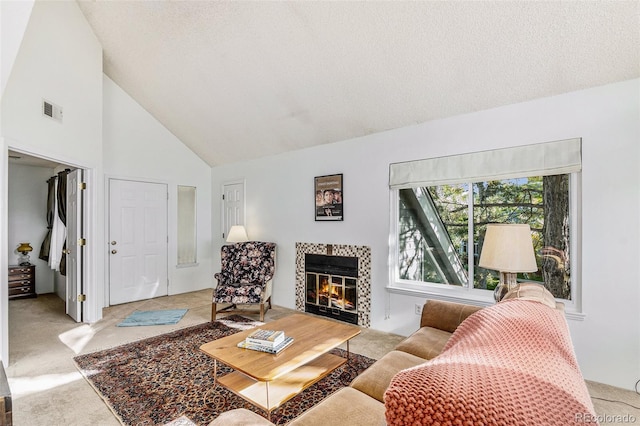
(435, 224)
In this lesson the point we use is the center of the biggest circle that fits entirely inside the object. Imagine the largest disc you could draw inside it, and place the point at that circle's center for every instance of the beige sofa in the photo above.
(511, 363)
(363, 402)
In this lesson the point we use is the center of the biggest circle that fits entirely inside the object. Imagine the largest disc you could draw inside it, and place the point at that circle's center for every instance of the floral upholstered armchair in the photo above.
(246, 276)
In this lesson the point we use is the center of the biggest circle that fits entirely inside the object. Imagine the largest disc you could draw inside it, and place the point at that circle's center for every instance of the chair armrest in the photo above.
(267, 289)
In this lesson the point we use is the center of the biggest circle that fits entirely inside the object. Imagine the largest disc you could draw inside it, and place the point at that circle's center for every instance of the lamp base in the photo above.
(24, 260)
(507, 282)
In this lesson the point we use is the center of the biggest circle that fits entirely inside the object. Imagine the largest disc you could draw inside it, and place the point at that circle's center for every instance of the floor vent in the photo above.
(52, 110)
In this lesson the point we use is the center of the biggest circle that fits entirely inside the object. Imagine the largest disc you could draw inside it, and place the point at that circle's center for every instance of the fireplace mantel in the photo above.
(363, 253)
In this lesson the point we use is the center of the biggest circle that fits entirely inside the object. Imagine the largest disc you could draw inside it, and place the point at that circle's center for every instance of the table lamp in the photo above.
(508, 249)
(237, 234)
(24, 249)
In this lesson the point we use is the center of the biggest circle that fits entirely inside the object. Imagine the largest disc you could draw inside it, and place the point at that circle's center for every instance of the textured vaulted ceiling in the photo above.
(236, 80)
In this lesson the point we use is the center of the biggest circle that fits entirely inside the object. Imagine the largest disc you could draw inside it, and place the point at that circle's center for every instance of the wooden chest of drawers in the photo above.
(22, 281)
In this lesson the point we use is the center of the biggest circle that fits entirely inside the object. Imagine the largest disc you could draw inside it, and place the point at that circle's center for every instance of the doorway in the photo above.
(232, 206)
(29, 215)
(26, 174)
(138, 240)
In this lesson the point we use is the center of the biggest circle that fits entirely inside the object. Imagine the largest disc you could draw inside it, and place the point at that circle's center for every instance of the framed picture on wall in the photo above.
(329, 198)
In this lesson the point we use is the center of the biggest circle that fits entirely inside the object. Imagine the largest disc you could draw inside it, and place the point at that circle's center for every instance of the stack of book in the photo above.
(271, 341)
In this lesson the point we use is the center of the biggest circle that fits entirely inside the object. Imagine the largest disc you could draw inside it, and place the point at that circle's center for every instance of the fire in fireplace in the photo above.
(331, 286)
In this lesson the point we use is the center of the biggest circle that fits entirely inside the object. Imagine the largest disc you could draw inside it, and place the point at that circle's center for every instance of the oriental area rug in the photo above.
(160, 379)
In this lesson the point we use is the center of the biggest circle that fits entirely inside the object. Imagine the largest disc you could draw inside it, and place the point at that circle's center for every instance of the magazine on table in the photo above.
(266, 338)
(273, 350)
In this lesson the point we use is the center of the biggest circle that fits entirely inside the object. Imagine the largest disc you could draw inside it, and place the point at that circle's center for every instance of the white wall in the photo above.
(14, 16)
(137, 147)
(279, 193)
(59, 60)
(27, 218)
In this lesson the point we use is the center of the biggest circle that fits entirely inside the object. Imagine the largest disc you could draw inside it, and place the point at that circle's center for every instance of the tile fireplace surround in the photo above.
(363, 254)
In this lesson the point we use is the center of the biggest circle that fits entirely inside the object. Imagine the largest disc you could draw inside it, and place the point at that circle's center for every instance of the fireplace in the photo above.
(331, 286)
(334, 280)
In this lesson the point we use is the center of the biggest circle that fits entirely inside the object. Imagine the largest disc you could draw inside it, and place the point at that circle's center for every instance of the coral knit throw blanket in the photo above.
(509, 364)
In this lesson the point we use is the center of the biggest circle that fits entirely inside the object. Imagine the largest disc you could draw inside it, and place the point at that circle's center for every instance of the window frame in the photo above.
(189, 238)
(468, 294)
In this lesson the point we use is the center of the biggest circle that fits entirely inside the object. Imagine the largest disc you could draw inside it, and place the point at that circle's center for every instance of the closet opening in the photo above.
(46, 211)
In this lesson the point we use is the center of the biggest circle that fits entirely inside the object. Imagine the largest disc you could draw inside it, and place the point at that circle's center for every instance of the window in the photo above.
(436, 224)
(442, 206)
(186, 225)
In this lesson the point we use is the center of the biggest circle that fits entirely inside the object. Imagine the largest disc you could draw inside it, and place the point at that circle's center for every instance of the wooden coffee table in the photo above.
(268, 380)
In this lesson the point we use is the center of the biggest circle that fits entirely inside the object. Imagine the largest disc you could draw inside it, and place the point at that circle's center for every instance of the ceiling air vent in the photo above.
(52, 110)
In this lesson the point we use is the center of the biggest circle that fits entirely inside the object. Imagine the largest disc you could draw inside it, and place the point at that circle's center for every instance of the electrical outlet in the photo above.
(418, 309)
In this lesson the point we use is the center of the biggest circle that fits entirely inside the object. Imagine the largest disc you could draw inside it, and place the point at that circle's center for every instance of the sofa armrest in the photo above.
(445, 316)
(346, 406)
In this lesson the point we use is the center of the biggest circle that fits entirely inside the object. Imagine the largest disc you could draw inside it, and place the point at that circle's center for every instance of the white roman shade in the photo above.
(544, 159)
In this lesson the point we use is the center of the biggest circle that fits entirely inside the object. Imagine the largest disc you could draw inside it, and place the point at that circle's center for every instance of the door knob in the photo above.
(114, 251)
(113, 243)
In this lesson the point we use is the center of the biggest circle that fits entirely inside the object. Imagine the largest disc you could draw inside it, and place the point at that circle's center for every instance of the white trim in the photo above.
(575, 206)
(575, 316)
(137, 179)
(35, 153)
(448, 293)
(4, 229)
(187, 265)
(458, 295)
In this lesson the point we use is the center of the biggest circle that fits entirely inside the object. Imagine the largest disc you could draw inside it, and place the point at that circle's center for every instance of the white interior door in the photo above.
(138, 240)
(233, 206)
(75, 250)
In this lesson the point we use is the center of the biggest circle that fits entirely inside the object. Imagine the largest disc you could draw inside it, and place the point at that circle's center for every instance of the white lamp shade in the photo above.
(508, 247)
(237, 234)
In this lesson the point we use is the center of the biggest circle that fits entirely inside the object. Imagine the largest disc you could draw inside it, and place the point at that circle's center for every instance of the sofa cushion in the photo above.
(425, 343)
(375, 379)
(347, 406)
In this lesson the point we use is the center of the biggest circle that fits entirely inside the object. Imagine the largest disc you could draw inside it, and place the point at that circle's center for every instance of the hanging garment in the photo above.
(58, 235)
(62, 213)
(46, 244)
